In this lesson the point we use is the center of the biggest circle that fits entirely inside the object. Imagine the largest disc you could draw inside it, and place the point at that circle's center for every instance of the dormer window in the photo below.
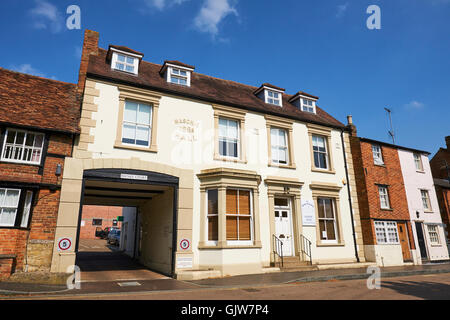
(308, 105)
(270, 94)
(273, 97)
(178, 76)
(124, 63)
(124, 59)
(304, 102)
(177, 72)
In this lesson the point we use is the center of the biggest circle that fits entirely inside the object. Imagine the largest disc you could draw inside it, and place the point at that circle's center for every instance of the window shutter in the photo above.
(244, 202)
(232, 228)
(231, 202)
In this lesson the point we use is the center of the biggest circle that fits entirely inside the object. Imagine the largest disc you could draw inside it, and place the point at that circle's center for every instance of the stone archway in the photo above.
(71, 193)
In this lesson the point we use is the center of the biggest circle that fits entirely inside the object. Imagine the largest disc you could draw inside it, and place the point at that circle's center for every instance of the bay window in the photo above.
(22, 146)
(238, 215)
(213, 215)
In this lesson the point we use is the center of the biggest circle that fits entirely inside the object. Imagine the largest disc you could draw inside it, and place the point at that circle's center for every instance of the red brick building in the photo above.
(94, 217)
(38, 123)
(440, 169)
(382, 200)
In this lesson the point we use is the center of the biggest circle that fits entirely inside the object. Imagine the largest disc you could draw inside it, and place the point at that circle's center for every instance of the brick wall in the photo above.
(34, 246)
(107, 214)
(368, 175)
(443, 195)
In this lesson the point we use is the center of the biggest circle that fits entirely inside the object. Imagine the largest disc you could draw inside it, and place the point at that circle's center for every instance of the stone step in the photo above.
(292, 268)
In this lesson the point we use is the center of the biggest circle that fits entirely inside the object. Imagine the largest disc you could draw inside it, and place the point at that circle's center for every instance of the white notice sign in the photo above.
(184, 262)
(308, 213)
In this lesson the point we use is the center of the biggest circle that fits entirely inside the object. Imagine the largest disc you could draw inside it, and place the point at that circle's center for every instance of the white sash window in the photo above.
(22, 146)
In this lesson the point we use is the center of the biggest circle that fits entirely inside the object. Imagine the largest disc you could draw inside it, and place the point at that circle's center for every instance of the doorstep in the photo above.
(346, 265)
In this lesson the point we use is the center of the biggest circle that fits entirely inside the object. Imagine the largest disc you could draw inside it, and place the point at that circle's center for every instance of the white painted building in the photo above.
(221, 173)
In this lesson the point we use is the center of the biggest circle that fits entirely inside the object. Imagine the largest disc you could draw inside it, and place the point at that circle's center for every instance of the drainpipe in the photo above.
(349, 196)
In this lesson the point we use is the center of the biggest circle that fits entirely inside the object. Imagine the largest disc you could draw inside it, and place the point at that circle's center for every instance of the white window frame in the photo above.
(26, 209)
(16, 207)
(241, 242)
(383, 192)
(430, 231)
(171, 73)
(334, 219)
(306, 107)
(115, 57)
(275, 101)
(386, 227)
(212, 242)
(22, 146)
(137, 124)
(418, 162)
(277, 146)
(426, 201)
(377, 154)
(228, 139)
(327, 156)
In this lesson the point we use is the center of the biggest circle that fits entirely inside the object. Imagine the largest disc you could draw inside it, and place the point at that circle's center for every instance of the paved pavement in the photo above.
(417, 287)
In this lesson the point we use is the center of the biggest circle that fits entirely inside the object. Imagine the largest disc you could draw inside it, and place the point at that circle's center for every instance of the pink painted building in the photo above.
(426, 221)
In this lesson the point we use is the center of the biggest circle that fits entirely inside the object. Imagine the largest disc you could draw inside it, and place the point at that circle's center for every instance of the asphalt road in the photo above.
(433, 286)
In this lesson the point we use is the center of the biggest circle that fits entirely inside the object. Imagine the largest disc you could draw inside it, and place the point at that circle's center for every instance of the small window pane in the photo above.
(130, 113)
(144, 114)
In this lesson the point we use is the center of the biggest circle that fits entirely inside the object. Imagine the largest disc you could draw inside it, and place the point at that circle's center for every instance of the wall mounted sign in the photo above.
(184, 262)
(308, 213)
(133, 177)
(185, 244)
(64, 244)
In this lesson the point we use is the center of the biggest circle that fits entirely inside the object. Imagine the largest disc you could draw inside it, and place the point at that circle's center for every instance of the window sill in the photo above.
(436, 245)
(380, 165)
(428, 211)
(152, 149)
(420, 171)
(386, 209)
(314, 169)
(235, 160)
(21, 163)
(337, 244)
(282, 166)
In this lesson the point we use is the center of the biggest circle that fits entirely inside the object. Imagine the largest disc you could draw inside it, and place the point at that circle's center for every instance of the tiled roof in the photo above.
(206, 88)
(126, 49)
(37, 102)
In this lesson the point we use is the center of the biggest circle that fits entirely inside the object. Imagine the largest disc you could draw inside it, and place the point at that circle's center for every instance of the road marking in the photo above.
(129, 284)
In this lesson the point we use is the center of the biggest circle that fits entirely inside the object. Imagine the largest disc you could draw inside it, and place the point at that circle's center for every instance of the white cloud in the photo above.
(28, 69)
(211, 14)
(162, 4)
(415, 105)
(341, 9)
(46, 16)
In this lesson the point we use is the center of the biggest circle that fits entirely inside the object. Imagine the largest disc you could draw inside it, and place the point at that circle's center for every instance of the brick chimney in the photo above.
(90, 47)
(351, 126)
(447, 142)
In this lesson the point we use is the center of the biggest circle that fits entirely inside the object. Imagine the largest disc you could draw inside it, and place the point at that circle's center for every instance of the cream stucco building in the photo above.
(221, 173)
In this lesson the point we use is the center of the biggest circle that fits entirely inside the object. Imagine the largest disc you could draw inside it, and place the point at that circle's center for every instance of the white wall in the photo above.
(414, 182)
(128, 230)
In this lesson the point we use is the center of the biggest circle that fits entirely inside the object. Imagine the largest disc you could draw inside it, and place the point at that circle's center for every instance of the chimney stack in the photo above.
(351, 126)
(90, 47)
(447, 142)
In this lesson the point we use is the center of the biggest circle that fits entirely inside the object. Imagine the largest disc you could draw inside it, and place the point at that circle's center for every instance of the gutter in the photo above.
(349, 196)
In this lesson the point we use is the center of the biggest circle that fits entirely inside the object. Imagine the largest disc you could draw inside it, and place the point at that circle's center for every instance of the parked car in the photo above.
(114, 237)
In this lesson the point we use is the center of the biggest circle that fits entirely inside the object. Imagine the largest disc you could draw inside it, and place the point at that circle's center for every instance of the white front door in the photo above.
(283, 225)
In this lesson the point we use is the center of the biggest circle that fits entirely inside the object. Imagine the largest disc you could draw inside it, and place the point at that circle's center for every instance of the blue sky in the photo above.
(321, 47)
